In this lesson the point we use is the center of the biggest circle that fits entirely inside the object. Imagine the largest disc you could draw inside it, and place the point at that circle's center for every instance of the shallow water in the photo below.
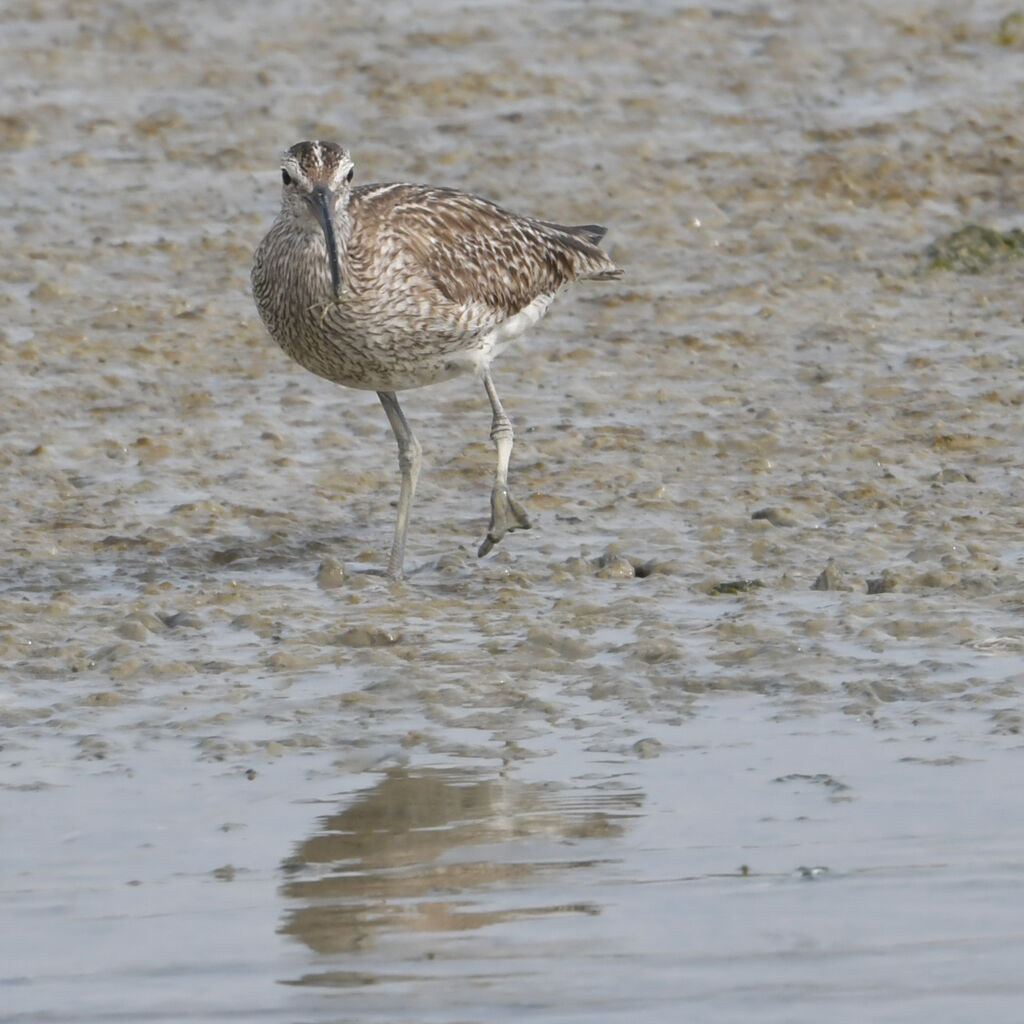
(632, 761)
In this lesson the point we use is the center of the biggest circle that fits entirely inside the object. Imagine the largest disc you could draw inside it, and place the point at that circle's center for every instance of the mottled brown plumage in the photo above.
(388, 287)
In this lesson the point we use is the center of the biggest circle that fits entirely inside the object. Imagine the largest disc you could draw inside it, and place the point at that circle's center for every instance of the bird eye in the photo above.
(348, 177)
(286, 177)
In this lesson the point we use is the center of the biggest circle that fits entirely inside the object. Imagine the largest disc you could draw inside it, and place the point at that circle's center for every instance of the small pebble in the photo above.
(330, 575)
(647, 748)
(830, 578)
(776, 516)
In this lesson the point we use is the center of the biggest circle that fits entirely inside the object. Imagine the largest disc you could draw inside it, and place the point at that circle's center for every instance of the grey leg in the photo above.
(409, 459)
(506, 513)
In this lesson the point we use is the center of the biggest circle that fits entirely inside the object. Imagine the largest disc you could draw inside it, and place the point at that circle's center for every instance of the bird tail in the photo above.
(598, 265)
(592, 232)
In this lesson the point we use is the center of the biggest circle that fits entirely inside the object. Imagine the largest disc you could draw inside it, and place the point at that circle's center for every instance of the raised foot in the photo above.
(506, 515)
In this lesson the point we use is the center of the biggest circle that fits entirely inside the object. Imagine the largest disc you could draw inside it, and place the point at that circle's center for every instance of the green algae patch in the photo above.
(1011, 30)
(736, 587)
(972, 249)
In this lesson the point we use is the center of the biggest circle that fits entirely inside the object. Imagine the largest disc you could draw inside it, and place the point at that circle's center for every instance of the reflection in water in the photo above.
(422, 850)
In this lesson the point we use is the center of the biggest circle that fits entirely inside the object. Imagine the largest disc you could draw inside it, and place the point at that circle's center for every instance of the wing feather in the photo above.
(475, 252)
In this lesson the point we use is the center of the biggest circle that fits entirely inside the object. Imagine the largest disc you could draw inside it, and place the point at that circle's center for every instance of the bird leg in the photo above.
(506, 513)
(409, 458)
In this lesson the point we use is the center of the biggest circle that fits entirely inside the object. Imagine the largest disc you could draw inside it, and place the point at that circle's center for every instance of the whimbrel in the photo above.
(388, 287)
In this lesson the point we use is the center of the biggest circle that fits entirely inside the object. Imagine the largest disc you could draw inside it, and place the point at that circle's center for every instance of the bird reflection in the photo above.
(421, 850)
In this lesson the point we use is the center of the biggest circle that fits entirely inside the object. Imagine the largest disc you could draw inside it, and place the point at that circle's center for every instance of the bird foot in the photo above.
(506, 515)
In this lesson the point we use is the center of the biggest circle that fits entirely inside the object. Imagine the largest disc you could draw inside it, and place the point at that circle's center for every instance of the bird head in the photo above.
(316, 178)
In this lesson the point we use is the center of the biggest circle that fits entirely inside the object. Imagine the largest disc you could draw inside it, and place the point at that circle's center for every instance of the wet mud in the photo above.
(750, 684)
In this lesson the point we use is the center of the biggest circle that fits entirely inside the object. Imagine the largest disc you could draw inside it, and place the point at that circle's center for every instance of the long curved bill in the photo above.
(323, 206)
